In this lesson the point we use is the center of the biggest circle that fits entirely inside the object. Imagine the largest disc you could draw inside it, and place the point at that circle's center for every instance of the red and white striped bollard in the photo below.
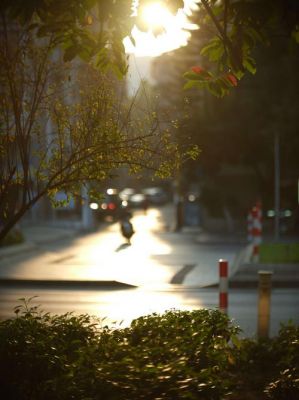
(256, 232)
(223, 285)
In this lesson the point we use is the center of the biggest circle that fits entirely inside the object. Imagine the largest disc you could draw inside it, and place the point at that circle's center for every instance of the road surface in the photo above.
(166, 270)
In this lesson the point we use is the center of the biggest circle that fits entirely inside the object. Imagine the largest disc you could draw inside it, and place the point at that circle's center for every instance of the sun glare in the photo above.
(155, 16)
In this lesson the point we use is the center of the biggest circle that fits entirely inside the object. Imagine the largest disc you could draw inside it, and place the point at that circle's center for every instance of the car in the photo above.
(155, 195)
(111, 206)
(125, 193)
(137, 200)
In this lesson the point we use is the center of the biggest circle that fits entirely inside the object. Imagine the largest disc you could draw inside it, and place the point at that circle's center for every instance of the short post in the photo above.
(264, 301)
(223, 285)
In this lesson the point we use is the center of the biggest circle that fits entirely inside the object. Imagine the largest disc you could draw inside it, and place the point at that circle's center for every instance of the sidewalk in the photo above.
(204, 237)
(283, 275)
(36, 235)
(243, 273)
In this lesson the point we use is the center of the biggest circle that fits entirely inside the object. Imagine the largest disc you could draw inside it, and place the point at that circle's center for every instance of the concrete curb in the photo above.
(254, 284)
(242, 257)
(65, 284)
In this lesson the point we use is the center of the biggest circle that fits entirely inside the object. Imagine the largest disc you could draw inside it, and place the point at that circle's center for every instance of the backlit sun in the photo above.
(172, 34)
(156, 15)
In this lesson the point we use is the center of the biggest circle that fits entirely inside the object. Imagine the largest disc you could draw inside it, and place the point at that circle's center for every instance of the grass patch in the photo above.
(276, 253)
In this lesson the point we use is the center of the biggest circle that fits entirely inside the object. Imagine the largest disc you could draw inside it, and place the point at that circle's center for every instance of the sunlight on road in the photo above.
(124, 306)
(104, 255)
(154, 257)
(152, 220)
(134, 264)
(108, 256)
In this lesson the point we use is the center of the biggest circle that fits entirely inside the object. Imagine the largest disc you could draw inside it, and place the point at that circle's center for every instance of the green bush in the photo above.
(285, 387)
(176, 355)
(260, 366)
(286, 347)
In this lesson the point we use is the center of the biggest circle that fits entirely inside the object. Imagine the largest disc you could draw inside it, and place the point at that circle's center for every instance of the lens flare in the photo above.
(156, 15)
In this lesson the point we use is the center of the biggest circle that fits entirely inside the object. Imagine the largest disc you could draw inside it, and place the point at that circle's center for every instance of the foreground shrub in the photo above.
(176, 355)
(286, 348)
(39, 353)
(268, 368)
(285, 387)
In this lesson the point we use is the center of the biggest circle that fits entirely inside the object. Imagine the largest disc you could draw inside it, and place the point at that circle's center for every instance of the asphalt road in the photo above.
(168, 270)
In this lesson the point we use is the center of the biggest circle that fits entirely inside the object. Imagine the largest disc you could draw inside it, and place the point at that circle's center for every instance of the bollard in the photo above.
(223, 285)
(249, 226)
(255, 226)
(256, 232)
(264, 300)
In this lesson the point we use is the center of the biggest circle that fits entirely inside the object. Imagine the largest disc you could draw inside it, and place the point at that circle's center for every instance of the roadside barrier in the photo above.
(254, 230)
(223, 285)
(249, 226)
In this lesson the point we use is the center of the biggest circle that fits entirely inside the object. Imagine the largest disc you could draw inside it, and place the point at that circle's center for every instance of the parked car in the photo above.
(137, 200)
(126, 193)
(111, 205)
(155, 195)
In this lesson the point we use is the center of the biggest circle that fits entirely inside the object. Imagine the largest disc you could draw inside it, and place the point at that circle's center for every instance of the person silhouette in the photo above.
(126, 226)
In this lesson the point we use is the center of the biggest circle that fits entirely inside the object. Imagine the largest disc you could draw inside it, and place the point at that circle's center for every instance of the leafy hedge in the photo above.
(176, 355)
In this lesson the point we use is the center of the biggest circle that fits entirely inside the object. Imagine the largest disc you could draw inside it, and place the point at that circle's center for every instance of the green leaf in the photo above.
(194, 77)
(249, 64)
(254, 35)
(214, 50)
(236, 341)
(216, 89)
(194, 84)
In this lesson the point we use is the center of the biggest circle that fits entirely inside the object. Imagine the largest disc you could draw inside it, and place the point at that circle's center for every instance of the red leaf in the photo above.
(197, 70)
(233, 80)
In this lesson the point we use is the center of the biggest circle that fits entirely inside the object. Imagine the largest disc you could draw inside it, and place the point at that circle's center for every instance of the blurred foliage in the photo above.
(230, 31)
(90, 29)
(262, 366)
(64, 125)
(94, 30)
(236, 134)
(175, 355)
